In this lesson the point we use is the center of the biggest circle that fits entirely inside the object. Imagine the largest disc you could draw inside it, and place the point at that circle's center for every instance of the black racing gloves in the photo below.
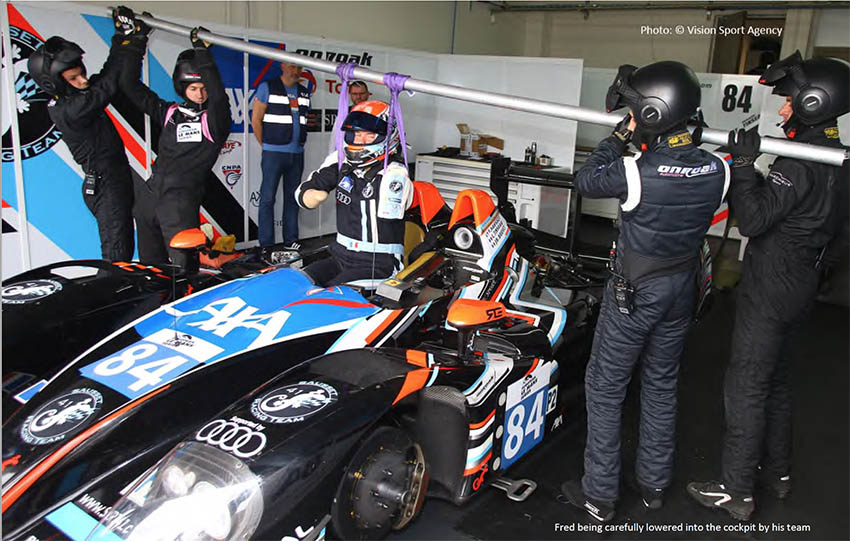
(125, 21)
(197, 42)
(622, 131)
(142, 27)
(743, 145)
(127, 24)
(131, 34)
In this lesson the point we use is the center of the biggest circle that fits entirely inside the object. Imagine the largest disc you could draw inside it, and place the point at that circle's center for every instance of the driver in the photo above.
(370, 201)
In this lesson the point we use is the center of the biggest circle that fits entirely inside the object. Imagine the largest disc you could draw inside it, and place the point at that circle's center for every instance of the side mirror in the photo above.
(189, 239)
(469, 315)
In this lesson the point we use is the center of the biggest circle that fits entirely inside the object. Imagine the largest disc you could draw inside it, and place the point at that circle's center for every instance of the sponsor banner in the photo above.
(60, 226)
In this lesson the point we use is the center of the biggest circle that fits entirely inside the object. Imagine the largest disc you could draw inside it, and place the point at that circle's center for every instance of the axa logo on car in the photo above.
(233, 313)
(688, 172)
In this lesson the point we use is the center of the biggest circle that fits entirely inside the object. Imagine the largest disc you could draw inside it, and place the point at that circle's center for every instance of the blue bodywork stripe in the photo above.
(480, 376)
(77, 524)
(480, 455)
(563, 319)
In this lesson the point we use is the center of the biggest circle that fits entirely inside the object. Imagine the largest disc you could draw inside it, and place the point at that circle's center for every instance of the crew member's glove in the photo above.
(124, 19)
(197, 42)
(622, 131)
(142, 27)
(696, 137)
(743, 145)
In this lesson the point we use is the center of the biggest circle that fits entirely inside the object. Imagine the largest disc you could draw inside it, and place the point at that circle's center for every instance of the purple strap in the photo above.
(345, 73)
(395, 84)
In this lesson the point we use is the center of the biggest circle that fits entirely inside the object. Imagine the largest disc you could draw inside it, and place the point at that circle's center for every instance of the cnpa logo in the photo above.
(232, 174)
(37, 132)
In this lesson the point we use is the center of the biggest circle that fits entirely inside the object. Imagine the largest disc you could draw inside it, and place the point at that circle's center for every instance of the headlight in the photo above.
(196, 492)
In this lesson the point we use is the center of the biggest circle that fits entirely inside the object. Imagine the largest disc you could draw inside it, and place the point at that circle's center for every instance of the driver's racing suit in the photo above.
(790, 217)
(668, 197)
(370, 207)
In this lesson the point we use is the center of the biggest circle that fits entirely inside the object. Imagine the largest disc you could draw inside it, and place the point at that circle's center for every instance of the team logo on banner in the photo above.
(232, 174)
(38, 133)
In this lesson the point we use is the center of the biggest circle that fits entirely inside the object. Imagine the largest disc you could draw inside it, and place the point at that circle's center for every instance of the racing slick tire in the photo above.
(383, 487)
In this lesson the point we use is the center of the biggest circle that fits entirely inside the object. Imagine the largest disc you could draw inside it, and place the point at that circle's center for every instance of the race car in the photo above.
(266, 406)
(77, 303)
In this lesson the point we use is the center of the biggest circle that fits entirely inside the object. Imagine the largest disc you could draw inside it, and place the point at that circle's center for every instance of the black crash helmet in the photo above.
(186, 72)
(47, 63)
(662, 95)
(819, 88)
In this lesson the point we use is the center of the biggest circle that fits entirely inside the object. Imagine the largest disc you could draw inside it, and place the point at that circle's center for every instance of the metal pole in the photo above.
(20, 192)
(769, 145)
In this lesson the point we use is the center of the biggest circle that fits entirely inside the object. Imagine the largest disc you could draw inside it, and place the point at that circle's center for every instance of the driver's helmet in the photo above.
(371, 116)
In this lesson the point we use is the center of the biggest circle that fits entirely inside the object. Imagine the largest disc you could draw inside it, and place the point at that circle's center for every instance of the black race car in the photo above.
(267, 407)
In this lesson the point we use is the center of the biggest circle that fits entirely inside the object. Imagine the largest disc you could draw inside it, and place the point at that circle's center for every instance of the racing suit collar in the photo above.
(192, 109)
(826, 133)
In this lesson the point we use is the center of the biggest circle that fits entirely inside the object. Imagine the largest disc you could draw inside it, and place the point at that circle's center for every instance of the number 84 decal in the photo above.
(525, 414)
(147, 364)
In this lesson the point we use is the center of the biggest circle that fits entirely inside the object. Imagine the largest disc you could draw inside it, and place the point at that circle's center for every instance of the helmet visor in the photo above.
(786, 67)
(360, 121)
(620, 94)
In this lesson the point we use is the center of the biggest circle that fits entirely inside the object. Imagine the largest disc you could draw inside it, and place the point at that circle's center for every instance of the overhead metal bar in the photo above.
(778, 147)
(755, 5)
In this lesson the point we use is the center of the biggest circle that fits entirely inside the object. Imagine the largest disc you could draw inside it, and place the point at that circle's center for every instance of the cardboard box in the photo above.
(475, 144)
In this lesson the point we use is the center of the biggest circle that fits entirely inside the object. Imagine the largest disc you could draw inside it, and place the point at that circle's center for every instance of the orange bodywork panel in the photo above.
(189, 238)
(472, 312)
(427, 197)
(474, 203)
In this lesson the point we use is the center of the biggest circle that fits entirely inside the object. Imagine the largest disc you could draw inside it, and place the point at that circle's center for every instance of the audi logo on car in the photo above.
(241, 441)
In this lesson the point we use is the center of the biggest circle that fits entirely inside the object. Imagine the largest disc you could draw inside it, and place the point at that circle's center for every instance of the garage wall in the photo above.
(831, 28)
(607, 39)
(423, 26)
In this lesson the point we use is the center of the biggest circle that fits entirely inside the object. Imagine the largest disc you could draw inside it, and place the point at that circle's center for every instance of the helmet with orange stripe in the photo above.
(366, 128)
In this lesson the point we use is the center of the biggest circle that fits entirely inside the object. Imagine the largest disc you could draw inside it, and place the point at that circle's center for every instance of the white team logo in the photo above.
(292, 403)
(54, 420)
(32, 290)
